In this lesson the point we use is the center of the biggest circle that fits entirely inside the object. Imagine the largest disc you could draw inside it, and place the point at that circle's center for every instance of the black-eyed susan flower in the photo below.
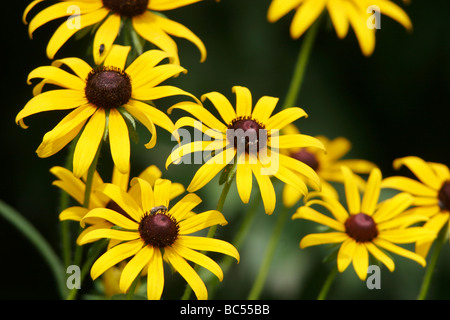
(431, 193)
(343, 13)
(103, 99)
(248, 139)
(327, 164)
(366, 225)
(108, 17)
(151, 232)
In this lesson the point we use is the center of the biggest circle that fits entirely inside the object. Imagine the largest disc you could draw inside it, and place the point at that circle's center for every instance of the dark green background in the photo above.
(390, 105)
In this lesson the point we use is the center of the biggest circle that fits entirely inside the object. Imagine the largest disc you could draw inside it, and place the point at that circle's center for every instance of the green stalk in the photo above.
(300, 66)
(265, 266)
(219, 207)
(432, 265)
(87, 196)
(327, 284)
(30, 232)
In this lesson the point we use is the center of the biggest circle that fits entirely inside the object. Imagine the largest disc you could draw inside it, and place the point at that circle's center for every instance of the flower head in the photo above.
(431, 193)
(151, 232)
(109, 16)
(106, 100)
(343, 13)
(327, 164)
(366, 226)
(248, 139)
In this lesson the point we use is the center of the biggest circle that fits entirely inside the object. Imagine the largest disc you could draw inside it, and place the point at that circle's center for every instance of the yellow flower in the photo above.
(109, 16)
(248, 139)
(366, 226)
(104, 99)
(431, 193)
(152, 232)
(327, 164)
(357, 13)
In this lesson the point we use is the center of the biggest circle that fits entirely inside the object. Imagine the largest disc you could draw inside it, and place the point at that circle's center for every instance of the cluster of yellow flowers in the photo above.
(137, 219)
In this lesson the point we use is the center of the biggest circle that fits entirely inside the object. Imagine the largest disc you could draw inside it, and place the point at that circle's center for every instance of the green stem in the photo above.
(300, 66)
(212, 230)
(29, 231)
(87, 197)
(327, 284)
(237, 242)
(432, 265)
(133, 287)
(265, 266)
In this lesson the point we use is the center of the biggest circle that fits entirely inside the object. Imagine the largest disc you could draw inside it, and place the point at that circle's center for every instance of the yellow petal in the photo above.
(201, 221)
(284, 117)
(146, 61)
(67, 30)
(421, 170)
(114, 256)
(163, 5)
(155, 276)
(263, 108)
(147, 197)
(408, 235)
(88, 143)
(117, 56)
(122, 199)
(73, 213)
(182, 208)
(372, 192)
(392, 10)
(222, 105)
(380, 255)
(134, 267)
(139, 111)
(162, 192)
(187, 272)
(308, 12)
(209, 244)
(64, 132)
(361, 260)
(334, 206)
(119, 141)
(314, 239)
(57, 76)
(266, 189)
(201, 113)
(346, 253)
(400, 251)
(78, 66)
(297, 141)
(358, 21)
(113, 234)
(279, 8)
(409, 185)
(112, 216)
(312, 215)
(243, 101)
(61, 99)
(244, 180)
(178, 30)
(392, 207)
(105, 36)
(338, 17)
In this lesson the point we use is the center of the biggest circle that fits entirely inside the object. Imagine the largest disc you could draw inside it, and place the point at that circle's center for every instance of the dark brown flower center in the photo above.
(108, 87)
(247, 134)
(159, 229)
(444, 196)
(361, 227)
(307, 158)
(126, 8)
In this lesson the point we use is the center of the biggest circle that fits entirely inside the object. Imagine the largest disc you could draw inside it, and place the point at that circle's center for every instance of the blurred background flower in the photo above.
(391, 105)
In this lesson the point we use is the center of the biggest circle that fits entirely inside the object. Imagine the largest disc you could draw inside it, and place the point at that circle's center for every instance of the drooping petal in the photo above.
(408, 235)
(114, 255)
(244, 181)
(119, 141)
(77, 65)
(365, 35)
(392, 207)
(60, 99)
(338, 17)
(64, 132)
(134, 267)
(140, 113)
(201, 113)
(88, 143)
(279, 8)
(210, 169)
(346, 253)
(400, 251)
(332, 205)
(266, 188)
(436, 223)
(306, 14)
(57, 76)
(73, 213)
(421, 170)
(380, 255)
(361, 260)
(300, 167)
(392, 10)
(108, 234)
(178, 30)
(199, 259)
(155, 276)
(187, 272)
